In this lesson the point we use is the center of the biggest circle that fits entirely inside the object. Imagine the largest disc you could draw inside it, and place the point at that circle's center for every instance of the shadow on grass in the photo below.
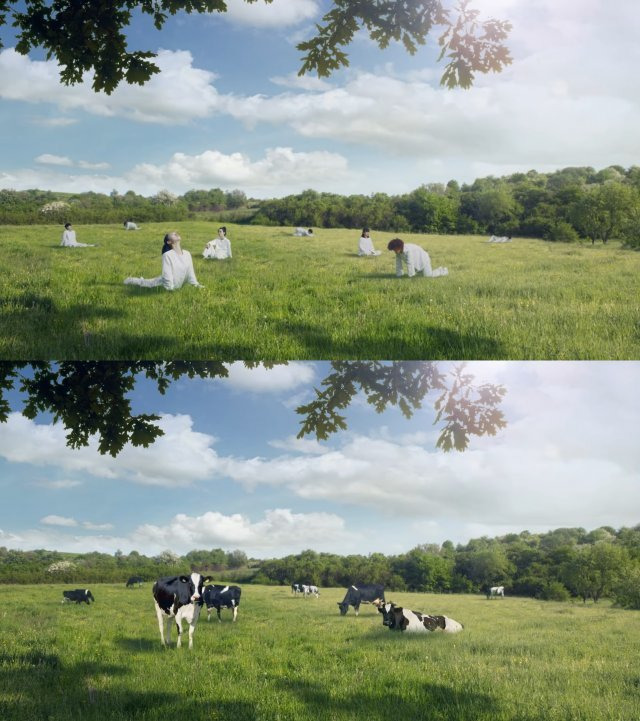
(423, 701)
(139, 644)
(415, 343)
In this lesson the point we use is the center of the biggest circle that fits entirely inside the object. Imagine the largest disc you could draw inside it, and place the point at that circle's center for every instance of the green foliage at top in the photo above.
(86, 37)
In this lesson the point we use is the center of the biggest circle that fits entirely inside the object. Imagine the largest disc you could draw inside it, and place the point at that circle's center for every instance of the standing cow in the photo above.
(178, 598)
(135, 581)
(78, 595)
(495, 591)
(218, 597)
(397, 618)
(372, 593)
(296, 588)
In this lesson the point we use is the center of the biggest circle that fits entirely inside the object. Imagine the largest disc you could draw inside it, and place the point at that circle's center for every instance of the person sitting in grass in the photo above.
(177, 267)
(219, 248)
(130, 225)
(365, 245)
(69, 239)
(416, 258)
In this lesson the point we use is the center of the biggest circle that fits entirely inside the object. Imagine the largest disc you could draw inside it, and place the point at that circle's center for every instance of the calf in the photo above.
(222, 597)
(79, 595)
(373, 593)
(180, 598)
(397, 618)
(135, 580)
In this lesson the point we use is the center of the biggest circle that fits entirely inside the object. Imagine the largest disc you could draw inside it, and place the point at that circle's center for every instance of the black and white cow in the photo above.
(397, 618)
(495, 591)
(135, 581)
(309, 590)
(371, 593)
(178, 598)
(216, 596)
(79, 595)
(296, 588)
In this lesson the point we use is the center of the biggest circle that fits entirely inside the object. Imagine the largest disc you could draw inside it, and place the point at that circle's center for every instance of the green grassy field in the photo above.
(283, 298)
(297, 659)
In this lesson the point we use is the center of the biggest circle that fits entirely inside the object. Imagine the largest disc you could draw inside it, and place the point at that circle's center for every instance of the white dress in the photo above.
(365, 247)
(218, 249)
(69, 240)
(177, 268)
(418, 261)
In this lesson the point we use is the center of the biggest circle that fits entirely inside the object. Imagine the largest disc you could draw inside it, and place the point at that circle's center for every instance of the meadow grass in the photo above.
(283, 298)
(294, 659)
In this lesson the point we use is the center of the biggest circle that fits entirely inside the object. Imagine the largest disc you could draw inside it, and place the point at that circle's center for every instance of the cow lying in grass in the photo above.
(402, 619)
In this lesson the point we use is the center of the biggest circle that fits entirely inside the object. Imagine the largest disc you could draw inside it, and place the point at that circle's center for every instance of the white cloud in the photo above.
(53, 520)
(277, 379)
(61, 484)
(92, 166)
(180, 458)
(301, 82)
(48, 159)
(278, 14)
(59, 122)
(175, 96)
(97, 526)
(299, 445)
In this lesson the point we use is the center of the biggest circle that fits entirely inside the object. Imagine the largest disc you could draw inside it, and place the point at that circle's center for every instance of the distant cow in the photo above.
(373, 593)
(218, 597)
(309, 590)
(397, 618)
(296, 588)
(180, 598)
(135, 580)
(495, 591)
(79, 595)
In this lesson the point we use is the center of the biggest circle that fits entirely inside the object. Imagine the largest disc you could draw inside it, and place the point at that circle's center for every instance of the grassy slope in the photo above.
(291, 658)
(286, 298)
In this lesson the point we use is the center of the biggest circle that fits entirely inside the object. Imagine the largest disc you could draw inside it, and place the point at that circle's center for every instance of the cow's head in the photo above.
(344, 607)
(196, 584)
(90, 595)
(388, 613)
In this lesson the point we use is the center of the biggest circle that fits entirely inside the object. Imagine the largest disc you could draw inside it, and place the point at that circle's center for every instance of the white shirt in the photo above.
(69, 240)
(218, 249)
(130, 226)
(365, 247)
(418, 261)
(176, 269)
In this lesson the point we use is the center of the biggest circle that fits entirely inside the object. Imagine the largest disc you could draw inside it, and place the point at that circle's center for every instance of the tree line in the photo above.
(563, 564)
(567, 205)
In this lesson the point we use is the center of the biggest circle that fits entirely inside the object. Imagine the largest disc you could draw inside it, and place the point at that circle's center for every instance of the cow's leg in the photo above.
(160, 616)
(219, 616)
(179, 627)
(356, 608)
(208, 614)
(235, 611)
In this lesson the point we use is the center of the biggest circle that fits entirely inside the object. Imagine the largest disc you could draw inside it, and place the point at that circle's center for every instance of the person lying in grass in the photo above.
(416, 258)
(69, 239)
(177, 267)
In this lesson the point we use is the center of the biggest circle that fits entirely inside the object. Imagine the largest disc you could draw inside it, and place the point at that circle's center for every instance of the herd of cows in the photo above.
(180, 598)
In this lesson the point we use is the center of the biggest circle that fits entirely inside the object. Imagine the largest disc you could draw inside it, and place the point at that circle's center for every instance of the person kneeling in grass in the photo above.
(177, 267)
(416, 258)
(69, 239)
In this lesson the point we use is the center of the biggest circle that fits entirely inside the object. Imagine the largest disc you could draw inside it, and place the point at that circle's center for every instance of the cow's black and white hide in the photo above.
(178, 598)
(362, 593)
(78, 595)
(397, 618)
(135, 581)
(217, 596)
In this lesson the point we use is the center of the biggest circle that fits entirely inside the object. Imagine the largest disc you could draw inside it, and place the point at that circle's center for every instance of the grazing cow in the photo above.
(79, 595)
(135, 580)
(372, 593)
(397, 618)
(308, 590)
(495, 591)
(222, 597)
(180, 598)
(296, 588)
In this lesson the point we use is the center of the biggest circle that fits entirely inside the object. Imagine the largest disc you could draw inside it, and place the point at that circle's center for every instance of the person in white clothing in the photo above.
(302, 232)
(219, 248)
(130, 225)
(365, 245)
(69, 239)
(177, 268)
(416, 258)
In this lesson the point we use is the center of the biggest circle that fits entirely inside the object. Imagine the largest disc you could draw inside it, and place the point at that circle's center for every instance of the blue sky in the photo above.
(229, 472)
(228, 110)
